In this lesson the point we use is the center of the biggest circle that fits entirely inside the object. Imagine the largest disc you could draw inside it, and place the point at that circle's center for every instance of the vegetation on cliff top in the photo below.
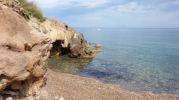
(32, 10)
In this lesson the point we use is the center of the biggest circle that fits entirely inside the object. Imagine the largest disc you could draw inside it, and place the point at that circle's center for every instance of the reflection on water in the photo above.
(66, 64)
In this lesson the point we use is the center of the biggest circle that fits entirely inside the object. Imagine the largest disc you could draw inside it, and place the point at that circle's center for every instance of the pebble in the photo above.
(61, 98)
(9, 98)
(56, 98)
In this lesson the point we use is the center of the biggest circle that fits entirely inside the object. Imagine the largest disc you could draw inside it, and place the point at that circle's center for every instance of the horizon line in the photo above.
(134, 27)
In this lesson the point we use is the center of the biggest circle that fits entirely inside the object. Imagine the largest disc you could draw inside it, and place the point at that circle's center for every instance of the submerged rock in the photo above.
(91, 50)
(23, 55)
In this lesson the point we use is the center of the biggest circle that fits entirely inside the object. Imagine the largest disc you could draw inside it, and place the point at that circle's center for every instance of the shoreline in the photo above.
(28, 39)
(75, 87)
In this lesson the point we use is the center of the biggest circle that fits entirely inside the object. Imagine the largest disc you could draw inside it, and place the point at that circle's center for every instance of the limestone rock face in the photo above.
(15, 6)
(10, 3)
(66, 36)
(74, 41)
(57, 30)
(23, 53)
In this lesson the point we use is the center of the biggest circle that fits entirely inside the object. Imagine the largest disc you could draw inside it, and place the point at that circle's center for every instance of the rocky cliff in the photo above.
(65, 39)
(25, 45)
(23, 55)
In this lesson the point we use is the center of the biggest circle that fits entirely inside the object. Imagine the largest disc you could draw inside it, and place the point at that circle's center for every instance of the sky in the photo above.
(113, 13)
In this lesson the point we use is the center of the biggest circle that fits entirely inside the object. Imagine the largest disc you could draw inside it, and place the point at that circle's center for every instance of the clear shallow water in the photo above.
(136, 59)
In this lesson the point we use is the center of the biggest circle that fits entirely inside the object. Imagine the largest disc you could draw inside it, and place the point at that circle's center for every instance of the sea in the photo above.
(137, 59)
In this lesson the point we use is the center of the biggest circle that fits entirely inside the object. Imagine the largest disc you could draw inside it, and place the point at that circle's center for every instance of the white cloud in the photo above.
(115, 14)
(65, 4)
(130, 14)
(130, 8)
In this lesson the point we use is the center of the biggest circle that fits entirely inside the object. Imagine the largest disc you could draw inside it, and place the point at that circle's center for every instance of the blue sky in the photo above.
(113, 13)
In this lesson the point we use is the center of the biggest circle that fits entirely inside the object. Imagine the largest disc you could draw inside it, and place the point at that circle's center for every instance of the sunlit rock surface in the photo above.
(23, 55)
(65, 39)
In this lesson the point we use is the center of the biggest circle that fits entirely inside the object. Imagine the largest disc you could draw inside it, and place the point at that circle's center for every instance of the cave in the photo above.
(57, 48)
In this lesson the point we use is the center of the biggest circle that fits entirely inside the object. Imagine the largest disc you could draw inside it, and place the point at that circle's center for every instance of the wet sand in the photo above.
(73, 87)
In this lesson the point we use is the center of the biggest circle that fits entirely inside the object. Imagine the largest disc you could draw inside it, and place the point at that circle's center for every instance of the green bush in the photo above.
(32, 10)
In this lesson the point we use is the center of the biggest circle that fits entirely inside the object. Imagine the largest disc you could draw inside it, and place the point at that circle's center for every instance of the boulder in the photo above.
(77, 51)
(23, 55)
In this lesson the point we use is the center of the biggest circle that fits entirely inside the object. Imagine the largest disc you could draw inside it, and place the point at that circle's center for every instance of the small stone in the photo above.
(61, 98)
(56, 97)
(9, 98)
(3, 84)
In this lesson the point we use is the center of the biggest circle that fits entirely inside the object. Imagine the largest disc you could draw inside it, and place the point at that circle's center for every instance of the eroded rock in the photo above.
(65, 39)
(15, 6)
(23, 55)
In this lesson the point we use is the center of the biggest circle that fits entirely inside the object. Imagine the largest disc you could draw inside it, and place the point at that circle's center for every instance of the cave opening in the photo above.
(58, 49)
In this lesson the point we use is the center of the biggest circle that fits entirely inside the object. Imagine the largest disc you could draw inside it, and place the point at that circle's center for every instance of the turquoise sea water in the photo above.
(135, 59)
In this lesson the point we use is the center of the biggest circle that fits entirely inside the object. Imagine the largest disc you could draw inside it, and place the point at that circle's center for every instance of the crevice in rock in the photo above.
(24, 88)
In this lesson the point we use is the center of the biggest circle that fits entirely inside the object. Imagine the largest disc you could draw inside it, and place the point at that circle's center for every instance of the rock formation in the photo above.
(15, 6)
(25, 45)
(23, 55)
(65, 39)
(24, 49)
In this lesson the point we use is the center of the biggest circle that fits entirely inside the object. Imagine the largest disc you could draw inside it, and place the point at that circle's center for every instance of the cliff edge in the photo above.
(26, 42)
(23, 55)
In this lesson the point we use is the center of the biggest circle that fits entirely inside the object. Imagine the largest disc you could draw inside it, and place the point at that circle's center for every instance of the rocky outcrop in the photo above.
(15, 6)
(23, 55)
(57, 30)
(65, 39)
(25, 46)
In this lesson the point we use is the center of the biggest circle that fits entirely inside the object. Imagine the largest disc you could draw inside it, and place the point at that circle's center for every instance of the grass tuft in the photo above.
(32, 10)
